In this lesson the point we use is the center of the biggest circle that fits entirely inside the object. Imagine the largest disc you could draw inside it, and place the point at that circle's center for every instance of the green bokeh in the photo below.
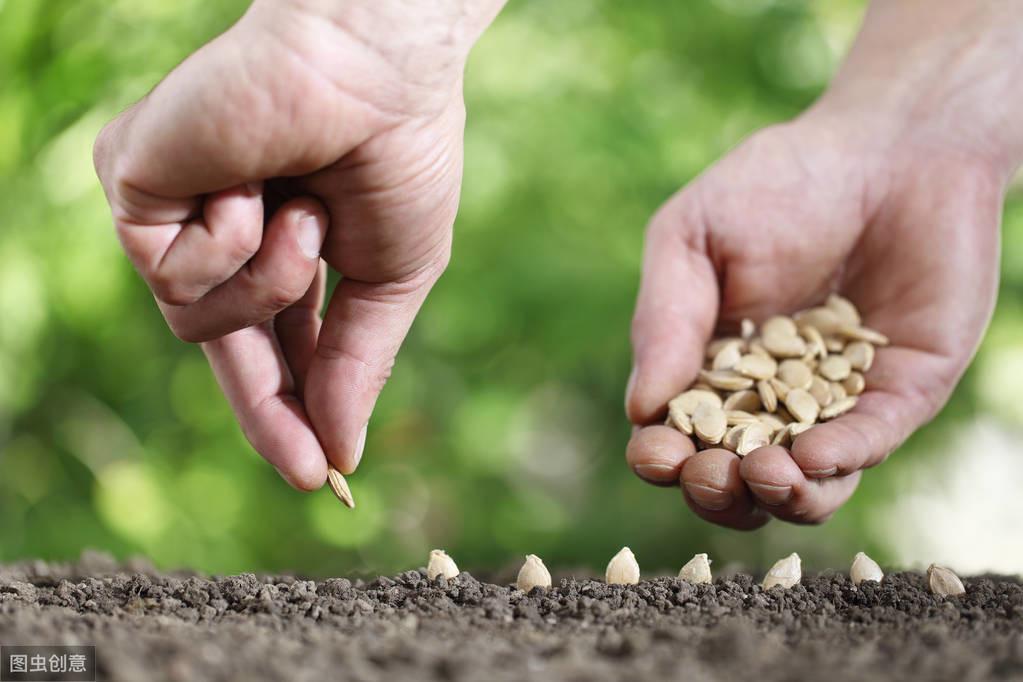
(501, 432)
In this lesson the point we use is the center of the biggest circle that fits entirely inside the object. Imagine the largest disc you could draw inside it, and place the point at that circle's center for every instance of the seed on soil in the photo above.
(785, 572)
(747, 401)
(441, 564)
(838, 408)
(943, 582)
(752, 437)
(696, 570)
(709, 424)
(339, 485)
(533, 574)
(623, 569)
(864, 568)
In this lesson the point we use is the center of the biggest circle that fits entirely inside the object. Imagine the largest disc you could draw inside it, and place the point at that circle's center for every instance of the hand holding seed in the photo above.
(795, 214)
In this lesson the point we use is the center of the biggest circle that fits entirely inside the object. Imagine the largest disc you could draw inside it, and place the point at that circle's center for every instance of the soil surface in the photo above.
(157, 626)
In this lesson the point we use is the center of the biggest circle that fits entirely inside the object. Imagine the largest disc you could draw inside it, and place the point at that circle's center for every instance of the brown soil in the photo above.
(157, 626)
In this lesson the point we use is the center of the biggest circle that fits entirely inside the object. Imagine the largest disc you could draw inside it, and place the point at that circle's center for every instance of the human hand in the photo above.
(889, 194)
(309, 128)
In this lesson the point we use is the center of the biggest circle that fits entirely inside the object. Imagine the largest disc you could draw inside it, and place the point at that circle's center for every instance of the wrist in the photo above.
(426, 40)
(937, 74)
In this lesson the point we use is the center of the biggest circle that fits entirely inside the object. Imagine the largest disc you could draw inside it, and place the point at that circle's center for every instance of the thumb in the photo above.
(363, 328)
(675, 311)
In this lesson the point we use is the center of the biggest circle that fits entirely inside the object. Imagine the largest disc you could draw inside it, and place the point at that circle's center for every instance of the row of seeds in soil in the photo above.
(623, 569)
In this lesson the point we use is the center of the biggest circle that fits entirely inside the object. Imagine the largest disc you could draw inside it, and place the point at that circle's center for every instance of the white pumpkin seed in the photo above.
(854, 383)
(795, 374)
(696, 570)
(726, 379)
(835, 367)
(767, 396)
(864, 568)
(802, 405)
(943, 582)
(747, 401)
(860, 355)
(838, 408)
(821, 392)
(623, 569)
(785, 573)
(756, 366)
(533, 574)
(709, 423)
(688, 401)
(440, 564)
(753, 436)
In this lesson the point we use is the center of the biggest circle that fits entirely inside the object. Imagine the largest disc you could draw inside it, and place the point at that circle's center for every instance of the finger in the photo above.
(778, 484)
(905, 388)
(183, 260)
(362, 330)
(253, 374)
(298, 327)
(277, 276)
(675, 312)
(714, 490)
(656, 454)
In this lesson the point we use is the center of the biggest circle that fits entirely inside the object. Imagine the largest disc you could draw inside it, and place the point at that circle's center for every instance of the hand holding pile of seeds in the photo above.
(768, 388)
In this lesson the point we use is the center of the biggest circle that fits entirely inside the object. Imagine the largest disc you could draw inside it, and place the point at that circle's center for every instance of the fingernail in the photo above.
(709, 498)
(360, 446)
(309, 239)
(822, 473)
(656, 473)
(254, 189)
(771, 495)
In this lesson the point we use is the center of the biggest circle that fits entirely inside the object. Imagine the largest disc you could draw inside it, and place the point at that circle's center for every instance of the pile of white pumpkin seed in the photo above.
(767, 386)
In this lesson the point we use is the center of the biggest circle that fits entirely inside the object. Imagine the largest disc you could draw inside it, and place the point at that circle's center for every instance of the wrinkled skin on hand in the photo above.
(295, 134)
(908, 231)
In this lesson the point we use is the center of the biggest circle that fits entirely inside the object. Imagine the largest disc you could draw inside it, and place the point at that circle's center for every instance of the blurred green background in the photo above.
(501, 431)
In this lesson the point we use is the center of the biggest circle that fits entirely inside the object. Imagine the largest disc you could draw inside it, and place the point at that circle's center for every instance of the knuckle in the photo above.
(185, 331)
(172, 291)
(278, 296)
